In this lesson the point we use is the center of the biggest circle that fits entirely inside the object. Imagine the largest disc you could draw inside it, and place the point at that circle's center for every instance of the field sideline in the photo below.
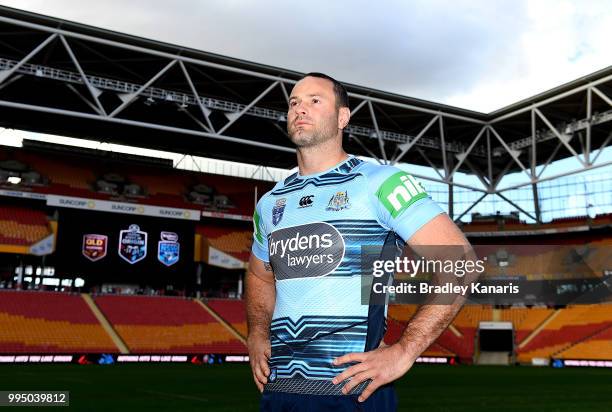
(184, 387)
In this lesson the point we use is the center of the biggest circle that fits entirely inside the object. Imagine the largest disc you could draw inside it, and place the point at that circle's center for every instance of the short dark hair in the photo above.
(342, 99)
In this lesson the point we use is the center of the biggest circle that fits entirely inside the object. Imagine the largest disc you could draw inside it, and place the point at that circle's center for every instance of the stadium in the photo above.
(122, 264)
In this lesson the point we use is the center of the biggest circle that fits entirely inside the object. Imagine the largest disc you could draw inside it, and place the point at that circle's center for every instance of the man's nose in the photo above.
(299, 108)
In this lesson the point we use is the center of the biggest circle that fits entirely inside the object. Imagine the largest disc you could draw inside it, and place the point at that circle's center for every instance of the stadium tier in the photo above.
(234, 242)
(577, 332)
(47, 322)
(525, 320)
(167, 325)
(565, 328)
(232, 311)
(101, 178)
(597, 347)
(22, 226)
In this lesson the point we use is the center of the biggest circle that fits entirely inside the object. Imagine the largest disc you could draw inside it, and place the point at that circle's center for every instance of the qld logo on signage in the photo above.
(132, 244)
(168, 248)
(94, 246)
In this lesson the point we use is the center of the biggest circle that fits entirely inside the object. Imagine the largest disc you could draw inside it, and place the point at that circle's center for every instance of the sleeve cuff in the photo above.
(419, 214)
(260, 253)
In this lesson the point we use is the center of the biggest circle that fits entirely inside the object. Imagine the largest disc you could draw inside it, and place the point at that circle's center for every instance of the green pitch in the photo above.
(430, 388)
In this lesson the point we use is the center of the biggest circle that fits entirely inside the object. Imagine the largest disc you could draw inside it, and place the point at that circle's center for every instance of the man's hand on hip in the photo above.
(259, 354)
(382, 365)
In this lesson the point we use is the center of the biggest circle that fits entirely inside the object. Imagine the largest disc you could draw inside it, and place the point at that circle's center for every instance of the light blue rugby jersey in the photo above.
(311, 229)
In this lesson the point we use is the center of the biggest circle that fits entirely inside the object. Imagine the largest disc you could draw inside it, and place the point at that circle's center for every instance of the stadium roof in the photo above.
(71, 79)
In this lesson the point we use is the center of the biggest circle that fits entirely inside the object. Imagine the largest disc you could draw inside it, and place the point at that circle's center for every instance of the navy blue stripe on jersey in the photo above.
(376, 312)
(315, 181)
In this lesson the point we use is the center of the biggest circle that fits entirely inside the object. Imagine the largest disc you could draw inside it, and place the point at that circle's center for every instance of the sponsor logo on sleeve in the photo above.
(257, 227)
(398, 192)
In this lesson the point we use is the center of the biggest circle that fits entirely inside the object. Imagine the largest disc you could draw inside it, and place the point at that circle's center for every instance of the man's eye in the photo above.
(292, 103)
(315, 100)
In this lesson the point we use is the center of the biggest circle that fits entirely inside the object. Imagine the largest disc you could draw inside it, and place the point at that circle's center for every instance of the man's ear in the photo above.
(344, 115)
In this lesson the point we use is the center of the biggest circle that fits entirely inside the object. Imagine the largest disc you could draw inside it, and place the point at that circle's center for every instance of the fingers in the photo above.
(372, 386)
(260, 371)
(356, 380)
(263, 367)
(360, 367)
(259, 385)
(350, 357)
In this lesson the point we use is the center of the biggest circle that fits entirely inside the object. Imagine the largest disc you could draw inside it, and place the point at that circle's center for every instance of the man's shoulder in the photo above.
(377, 174)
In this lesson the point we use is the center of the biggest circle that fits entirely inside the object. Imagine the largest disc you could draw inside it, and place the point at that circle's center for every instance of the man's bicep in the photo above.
(440, 230)
(261, 269)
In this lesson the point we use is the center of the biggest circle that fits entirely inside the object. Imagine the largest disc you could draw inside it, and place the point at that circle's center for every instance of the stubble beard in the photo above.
(319, 134)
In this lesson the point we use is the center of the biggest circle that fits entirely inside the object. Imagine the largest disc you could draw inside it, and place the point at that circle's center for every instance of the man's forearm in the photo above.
(260, 296)
(425, 327)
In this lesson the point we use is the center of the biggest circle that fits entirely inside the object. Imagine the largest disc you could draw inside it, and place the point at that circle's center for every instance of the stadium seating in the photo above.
(48, 322)
(22, 226)
(233, 311)
(73, 176)
(167, 325)
(525, 320)
(596, 347)
(448, 344)
(570, 325)
(235, 242)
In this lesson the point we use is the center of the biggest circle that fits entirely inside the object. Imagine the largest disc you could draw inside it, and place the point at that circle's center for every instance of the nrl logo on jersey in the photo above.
(398, 192)
(339, 201)
(132, 244)
(278, 210)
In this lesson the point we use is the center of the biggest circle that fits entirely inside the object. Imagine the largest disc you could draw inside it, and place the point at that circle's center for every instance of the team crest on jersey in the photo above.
(339, 201)
(168, 248)
(278, 210)
(94, 246)
(132, 244)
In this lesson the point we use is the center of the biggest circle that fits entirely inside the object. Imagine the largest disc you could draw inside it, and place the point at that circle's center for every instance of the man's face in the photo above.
(313, 116)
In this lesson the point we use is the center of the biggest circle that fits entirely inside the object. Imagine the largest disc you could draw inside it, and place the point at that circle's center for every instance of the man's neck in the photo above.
(312, 160)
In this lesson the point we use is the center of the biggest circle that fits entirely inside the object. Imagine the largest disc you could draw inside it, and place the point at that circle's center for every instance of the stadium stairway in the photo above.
(112, 333)
(153, 324)
(537, 330)
(222, 321)
(595, 347)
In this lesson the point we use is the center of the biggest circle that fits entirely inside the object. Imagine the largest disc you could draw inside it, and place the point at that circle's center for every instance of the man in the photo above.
(312, 344)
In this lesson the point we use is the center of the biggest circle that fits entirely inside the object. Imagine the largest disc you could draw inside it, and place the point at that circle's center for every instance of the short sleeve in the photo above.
(260, 235)
(400, 201)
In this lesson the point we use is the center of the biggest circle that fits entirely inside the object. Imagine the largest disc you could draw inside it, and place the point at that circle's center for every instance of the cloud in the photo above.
(475, 55)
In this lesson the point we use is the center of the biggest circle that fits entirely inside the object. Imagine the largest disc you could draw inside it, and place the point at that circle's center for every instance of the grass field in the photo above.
(185, 387)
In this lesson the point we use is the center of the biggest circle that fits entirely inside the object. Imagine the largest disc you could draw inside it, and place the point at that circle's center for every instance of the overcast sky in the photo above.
(479, 55)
